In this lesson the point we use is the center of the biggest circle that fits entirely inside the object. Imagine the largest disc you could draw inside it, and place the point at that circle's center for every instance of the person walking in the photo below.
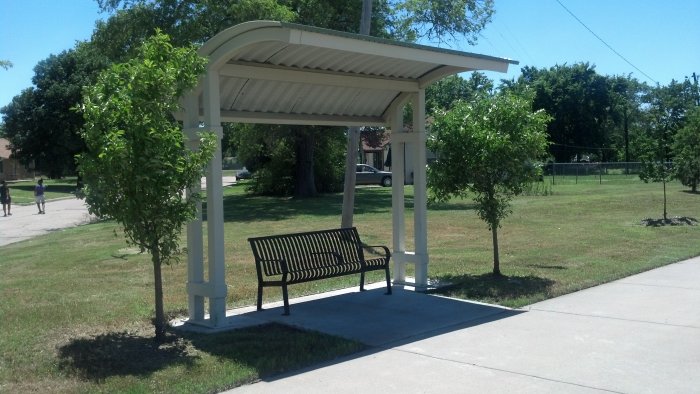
(39, 196)
(5, 199)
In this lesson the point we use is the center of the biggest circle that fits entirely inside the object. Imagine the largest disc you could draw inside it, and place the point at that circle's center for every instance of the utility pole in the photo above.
(354, 139)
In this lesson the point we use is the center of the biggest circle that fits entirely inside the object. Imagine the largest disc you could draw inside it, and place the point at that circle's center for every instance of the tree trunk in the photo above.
(496, 261)
(159, 322)
(353, 140)
(305, 183)
(350, 178)
(664, 182)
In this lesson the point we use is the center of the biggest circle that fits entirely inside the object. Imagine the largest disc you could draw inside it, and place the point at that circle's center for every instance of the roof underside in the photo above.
(273, 72)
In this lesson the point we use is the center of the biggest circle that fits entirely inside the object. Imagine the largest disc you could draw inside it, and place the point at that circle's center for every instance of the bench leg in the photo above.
(285, 295)
(388, 280)
(260, 291)
(362, 281)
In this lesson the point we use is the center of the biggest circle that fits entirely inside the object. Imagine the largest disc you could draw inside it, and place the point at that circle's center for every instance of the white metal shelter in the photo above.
(280, 73)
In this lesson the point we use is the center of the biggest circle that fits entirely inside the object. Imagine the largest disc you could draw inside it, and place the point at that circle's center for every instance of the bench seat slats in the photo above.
(287, 259)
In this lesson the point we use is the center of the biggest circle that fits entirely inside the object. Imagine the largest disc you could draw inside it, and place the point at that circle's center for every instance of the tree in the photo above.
(686, 150)
(626, 94)
(487, 149)
(442, 94)
(41, 122)
(136, 167)
(439, 20)
(6, 64)
(578, 99)
(667, 107)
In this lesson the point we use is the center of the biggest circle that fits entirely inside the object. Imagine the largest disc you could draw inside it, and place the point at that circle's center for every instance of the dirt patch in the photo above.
(676, 221)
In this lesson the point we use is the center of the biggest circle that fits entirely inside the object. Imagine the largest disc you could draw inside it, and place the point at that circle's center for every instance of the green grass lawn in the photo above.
(22, 192)
(76, 304)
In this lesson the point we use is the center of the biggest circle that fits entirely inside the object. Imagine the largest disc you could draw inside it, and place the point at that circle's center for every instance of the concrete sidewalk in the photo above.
(26, 222)
(638, 334)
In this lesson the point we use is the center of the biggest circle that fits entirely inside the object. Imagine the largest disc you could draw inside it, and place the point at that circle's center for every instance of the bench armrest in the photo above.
(387, 253)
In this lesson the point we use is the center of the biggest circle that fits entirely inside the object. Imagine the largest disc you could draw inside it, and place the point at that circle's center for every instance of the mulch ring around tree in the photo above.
(676, 221)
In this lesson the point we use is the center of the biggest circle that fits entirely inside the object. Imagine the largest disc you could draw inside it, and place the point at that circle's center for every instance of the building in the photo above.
(10, 168)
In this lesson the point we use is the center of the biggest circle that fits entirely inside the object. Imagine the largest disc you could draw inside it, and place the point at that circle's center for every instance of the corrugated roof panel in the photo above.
(276, 88)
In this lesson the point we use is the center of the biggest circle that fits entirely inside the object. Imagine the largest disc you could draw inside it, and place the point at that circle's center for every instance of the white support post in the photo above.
(420, 200)
(195, 247)
(215, 206)
(397, 195)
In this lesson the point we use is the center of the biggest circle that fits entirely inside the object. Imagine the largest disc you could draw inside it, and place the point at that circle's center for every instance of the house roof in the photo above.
(276, 72)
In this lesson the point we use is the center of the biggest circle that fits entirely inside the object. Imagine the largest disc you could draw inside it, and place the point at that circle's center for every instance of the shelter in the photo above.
(281, 73)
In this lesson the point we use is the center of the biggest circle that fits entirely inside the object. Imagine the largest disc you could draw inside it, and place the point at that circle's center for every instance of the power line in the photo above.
(605, 43)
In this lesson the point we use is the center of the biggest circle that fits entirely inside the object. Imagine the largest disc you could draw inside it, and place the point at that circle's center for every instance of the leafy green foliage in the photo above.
(137, 167)
(441, 20)
(270, 152)
(665, 116)
(578, 99)
(442, 95)
(486, 150)
(40, 121)
(686, 149)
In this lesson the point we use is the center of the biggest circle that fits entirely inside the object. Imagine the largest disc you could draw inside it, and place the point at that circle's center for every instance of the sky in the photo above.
(661, 39)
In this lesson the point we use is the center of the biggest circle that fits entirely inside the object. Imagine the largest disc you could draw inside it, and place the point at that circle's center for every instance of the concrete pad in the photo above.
(377, 319)
(639, 334)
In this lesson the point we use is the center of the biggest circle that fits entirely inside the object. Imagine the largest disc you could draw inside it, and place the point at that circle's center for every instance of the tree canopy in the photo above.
(41, 122)
(487, 150)
(686, 149)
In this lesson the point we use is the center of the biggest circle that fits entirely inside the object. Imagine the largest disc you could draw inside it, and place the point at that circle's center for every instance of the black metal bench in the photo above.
(282, 260)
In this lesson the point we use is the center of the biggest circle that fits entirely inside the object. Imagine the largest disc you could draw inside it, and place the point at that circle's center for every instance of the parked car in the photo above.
(243, 174)
(368, 175)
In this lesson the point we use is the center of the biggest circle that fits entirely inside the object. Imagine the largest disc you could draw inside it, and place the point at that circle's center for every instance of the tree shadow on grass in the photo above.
(491, 288)
(368, 200)
(259, 351)
(121, 353)
(251, 208)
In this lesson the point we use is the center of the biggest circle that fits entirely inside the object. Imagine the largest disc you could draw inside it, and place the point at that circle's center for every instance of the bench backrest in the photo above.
(307, 250)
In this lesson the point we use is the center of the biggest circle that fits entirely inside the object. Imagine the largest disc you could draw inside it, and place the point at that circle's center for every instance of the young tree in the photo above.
(487, 148)
(137, 167)
(686, 150)
(667, 107)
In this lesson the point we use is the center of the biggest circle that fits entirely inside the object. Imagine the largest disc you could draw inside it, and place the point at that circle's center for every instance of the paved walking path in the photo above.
(26, 222)
(635, 335)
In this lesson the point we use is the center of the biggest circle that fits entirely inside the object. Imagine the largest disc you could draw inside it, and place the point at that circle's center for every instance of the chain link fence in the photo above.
(574, 173)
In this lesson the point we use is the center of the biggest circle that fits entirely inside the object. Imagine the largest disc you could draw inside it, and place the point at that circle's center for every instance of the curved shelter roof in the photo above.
(276, 72)
(273, 72)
